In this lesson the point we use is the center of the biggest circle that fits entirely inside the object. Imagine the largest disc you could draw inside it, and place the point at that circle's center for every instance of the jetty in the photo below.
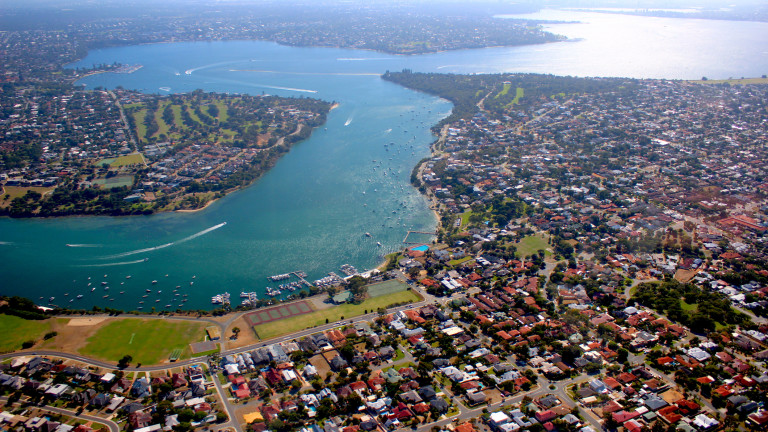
(405, 240)
(301, 275)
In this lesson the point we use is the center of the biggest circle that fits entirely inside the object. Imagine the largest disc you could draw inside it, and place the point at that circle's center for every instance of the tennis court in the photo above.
(279, 312)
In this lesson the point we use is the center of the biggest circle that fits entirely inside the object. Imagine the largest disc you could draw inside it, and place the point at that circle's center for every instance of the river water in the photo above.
(311, 212)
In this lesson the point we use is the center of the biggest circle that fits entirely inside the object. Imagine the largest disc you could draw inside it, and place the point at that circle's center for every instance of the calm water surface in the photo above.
(311, 212)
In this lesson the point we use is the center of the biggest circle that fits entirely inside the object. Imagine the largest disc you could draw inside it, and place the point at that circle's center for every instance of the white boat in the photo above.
(378, 244)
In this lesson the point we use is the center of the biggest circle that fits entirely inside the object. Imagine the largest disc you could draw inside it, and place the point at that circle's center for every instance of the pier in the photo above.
(301, 275)
(405, 240)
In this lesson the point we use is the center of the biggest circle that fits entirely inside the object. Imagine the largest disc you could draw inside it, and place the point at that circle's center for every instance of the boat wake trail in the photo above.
(201, 233)
(361, 59)
(84, 245)
(5, 243)
(163, 246)
(115, 264)
(307, 73)
(349, 120)
(193, 70)
(137, 251)
(287, 88)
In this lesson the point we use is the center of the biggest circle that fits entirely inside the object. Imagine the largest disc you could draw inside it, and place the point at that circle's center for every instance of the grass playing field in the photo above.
(530, 245)
(313, 319)
(148, 341)
(16, 331)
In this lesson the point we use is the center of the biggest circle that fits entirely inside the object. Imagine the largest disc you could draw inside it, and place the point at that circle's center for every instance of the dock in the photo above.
(301, 275)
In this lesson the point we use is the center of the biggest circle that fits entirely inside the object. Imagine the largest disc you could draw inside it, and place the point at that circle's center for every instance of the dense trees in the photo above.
(701, 311)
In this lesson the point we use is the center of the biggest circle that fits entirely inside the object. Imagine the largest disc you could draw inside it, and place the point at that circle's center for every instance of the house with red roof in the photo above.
(545, 416)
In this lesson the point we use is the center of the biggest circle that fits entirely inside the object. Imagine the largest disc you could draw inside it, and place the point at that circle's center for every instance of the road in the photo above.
(113, 427)
(228, 407)
(125, 120)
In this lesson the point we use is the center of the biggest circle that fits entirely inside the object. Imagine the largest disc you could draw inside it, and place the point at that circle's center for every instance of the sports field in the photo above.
(17, 330)
(129, 159)
(275, 313)
(336, 313)
(531, 245)
(148, 341)
(116, 181)
(387, 287)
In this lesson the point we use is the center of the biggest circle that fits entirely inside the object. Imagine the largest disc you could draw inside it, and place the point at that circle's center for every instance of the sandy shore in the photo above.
(197, 209)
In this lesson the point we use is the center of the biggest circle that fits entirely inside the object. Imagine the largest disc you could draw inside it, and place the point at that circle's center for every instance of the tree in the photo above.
(123, 362)
(236, 332)
(622, 356)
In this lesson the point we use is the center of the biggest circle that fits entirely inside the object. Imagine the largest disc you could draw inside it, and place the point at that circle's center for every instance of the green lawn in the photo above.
(314, 319)
(504, 91)
(162, 126)
(399, 355)
(531, 245)
(465, 218)
(116, 181)
(519, 92)
(148, 341)
(17, 330)
(141, 128)
(689, 308)
(223, 111)
(459, 261)
(129, 159)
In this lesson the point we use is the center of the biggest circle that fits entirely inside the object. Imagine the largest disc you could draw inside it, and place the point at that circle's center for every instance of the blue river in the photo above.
(312, 210)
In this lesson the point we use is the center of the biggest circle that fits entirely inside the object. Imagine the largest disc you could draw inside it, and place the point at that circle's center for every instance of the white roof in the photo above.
(499, 417)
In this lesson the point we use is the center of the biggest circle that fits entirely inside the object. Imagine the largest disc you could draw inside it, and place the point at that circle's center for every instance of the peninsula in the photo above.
(123, 152)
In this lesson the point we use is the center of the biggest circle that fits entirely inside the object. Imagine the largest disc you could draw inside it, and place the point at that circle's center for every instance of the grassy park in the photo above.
(336, 313)
(126, 160)
(148, 341)
(173, 125)
(17, 330)
(531, 245)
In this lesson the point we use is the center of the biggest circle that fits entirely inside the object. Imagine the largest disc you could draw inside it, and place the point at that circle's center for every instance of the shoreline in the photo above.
(194, 210)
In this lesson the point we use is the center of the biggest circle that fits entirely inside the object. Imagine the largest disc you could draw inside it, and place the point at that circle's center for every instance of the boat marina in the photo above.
(218, 298)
